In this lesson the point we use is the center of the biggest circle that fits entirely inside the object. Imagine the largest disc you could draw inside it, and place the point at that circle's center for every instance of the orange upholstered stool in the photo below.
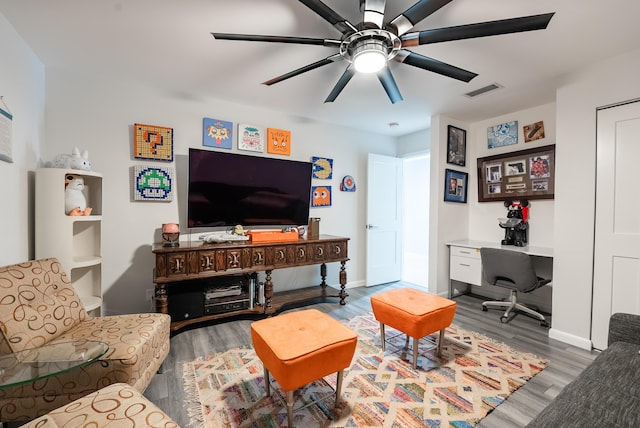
(413, 312)
(300, 347)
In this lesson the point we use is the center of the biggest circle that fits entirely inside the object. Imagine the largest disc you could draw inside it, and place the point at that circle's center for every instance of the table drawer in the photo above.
(465, 252)
(466, 269)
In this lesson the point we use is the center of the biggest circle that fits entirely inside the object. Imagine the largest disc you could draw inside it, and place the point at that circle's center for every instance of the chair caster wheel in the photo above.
(544, 323)
(504, 319)
(484, 309)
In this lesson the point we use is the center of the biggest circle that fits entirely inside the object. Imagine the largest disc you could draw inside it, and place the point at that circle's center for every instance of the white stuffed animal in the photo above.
(73, 161)
(75, 202)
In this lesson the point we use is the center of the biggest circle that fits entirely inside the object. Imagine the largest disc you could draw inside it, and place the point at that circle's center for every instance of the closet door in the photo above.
(616, 275)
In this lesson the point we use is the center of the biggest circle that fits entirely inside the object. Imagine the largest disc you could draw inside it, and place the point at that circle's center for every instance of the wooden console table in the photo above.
(197, 261)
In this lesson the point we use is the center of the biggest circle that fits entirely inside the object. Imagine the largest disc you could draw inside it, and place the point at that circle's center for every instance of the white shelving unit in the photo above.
(74, 240)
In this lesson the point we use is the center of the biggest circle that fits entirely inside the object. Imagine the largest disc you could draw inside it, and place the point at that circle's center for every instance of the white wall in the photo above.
(567, 222)
(415, 219)
(602, 84)
(449, 221)
(415, 206)
(97, 114)
(483, 222)
(414, 143)
(22, 88)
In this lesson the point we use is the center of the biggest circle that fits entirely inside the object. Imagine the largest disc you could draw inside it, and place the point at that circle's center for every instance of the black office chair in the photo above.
(513, 270)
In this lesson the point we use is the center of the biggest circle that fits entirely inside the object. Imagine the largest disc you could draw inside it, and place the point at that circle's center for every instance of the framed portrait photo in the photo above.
(456, 146)
(455, 186)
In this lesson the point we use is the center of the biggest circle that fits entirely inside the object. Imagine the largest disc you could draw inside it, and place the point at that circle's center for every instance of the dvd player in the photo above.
(232, 305)
(217, 292)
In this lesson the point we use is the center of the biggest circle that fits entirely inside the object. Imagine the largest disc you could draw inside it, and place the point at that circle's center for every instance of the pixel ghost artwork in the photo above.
(73, 161)
(75, 203)
(321, 196)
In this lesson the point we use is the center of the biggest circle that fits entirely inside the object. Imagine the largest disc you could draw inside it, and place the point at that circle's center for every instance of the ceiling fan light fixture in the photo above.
(369, 56)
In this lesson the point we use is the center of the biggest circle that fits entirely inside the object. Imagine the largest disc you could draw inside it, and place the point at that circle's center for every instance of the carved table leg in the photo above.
(162, 301)
(323, 274)
(343, 282)
(268, 290)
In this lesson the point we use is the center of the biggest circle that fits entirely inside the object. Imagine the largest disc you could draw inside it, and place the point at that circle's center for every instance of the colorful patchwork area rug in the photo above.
(474, 375)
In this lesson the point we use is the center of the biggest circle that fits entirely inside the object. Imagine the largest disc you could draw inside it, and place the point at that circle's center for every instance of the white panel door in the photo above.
(616, 274)
(384, 218)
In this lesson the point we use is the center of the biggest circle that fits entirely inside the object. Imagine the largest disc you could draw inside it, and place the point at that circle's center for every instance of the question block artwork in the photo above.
(153, 183)
(152, 142)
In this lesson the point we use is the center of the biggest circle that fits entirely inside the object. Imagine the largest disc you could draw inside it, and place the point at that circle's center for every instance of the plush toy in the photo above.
(75, 202)
(73, 161)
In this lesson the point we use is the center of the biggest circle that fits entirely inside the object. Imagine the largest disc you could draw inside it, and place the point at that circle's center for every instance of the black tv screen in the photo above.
(226, 189)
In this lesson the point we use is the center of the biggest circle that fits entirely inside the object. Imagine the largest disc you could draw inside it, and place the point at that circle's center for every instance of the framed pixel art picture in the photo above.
(278, 141)
(322, 168)
(217, 133)
(250, 138)
(152, 142)
(320, 196)
(153, 183)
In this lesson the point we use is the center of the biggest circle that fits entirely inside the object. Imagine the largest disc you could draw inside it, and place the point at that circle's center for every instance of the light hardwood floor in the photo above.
(522, 333)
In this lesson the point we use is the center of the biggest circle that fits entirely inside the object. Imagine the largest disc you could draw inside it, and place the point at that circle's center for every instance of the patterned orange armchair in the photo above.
(39, 306)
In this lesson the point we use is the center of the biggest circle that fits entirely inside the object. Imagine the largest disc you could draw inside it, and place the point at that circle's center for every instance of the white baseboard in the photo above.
(571, 339)
(353, 284)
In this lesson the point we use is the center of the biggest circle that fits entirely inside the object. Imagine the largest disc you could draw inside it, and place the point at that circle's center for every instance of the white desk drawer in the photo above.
(464, 252)
(465, 269)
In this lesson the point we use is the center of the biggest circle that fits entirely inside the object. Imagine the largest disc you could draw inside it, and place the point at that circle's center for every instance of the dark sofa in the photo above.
(607, 393)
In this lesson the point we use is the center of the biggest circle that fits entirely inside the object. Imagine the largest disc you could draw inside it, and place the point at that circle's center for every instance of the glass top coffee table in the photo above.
(48, 360)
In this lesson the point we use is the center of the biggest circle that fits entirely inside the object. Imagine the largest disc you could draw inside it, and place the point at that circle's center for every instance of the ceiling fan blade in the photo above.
(482, 29)
(330, 15)
(389, 85)
(406, 57)
(277, 39)
(373, 12)
(342, 82)
(313, 66)
(416, 13)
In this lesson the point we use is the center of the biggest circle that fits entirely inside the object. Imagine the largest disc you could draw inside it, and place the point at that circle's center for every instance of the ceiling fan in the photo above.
(369, 45)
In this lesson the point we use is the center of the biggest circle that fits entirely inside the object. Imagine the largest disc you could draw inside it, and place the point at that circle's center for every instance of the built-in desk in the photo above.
(465, 265)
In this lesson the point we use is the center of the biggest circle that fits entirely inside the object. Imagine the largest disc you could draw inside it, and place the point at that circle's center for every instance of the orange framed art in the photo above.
(278, 141)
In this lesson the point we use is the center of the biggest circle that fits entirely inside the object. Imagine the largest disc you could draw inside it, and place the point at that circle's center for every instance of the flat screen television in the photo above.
(226, 189)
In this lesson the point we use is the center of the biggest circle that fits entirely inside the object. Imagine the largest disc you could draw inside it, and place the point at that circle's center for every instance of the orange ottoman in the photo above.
(300, 347)
(415, 313)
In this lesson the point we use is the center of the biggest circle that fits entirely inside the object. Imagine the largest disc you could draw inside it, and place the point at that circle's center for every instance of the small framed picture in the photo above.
(455, 186)
(456, 146)
(152, 142)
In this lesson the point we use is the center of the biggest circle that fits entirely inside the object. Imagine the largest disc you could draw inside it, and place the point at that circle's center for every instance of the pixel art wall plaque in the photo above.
(320, 196)
(278, 141)
(250, 138)
(152, 142)
(322, 168)
(153, 183)
(217, 133)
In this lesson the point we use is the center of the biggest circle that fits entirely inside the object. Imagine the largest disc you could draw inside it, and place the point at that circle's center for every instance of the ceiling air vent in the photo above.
(488, 88)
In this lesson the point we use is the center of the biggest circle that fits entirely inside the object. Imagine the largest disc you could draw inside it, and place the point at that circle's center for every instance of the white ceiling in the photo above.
(167, 44)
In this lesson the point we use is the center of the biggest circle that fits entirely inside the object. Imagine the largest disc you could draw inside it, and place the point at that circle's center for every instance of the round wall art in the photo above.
(348, 184)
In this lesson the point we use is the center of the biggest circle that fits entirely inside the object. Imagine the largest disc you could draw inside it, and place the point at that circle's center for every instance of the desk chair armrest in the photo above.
(624, 328)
